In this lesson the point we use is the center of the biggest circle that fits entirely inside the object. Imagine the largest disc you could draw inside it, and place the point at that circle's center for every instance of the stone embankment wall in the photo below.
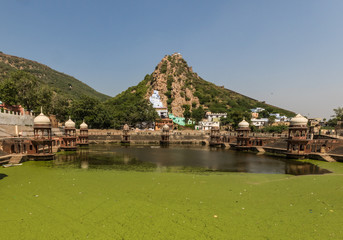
(146, 136)
(188, 136)
(14, 118)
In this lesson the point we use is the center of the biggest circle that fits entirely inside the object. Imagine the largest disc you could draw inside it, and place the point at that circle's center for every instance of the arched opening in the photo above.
(12, 148)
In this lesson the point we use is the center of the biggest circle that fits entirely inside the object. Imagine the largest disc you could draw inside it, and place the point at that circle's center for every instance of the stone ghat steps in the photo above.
(10, 131)
(16, 158)
(4, 133)
(327, 158)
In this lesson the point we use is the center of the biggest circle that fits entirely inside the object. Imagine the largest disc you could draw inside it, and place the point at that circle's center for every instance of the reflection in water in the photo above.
(180, 158)
(84, 164)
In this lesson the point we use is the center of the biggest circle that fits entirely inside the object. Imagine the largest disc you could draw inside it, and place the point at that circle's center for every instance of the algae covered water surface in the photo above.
(47, 200)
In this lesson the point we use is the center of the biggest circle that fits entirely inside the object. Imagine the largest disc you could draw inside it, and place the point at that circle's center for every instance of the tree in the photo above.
(27, 89)
(186, 113)
(22, 88)
(271, 120)
(198, 114)
(338, 113)
(264, 114)
(335, 118)
(9, 92)
(236, 116)
(275, 129)
(225, 121)
(44, 99)
(60, 106)
(92, 111)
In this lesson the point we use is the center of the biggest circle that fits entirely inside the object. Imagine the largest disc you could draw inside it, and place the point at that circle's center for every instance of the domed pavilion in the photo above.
(215, 137)
(126, 136)
(243, 131)
(83, 137)
(298, 141)
(69, 138)
(41, 147)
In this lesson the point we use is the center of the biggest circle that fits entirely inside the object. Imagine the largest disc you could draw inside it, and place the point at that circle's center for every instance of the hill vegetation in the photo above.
(60, 83)
(182, 91)
(32, 85)
(185, 94)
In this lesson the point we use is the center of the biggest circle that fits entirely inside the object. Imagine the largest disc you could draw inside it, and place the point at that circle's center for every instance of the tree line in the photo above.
(22, 88)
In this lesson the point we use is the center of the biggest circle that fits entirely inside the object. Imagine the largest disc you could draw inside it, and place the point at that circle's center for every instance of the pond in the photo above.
(180, 158)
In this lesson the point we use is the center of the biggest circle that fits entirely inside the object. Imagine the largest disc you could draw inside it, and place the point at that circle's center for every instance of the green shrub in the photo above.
(164, 67)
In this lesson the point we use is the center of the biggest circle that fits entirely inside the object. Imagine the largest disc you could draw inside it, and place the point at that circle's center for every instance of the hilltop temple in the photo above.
(162, 112)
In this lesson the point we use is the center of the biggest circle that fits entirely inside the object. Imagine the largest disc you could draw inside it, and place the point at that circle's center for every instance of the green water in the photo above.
(68, 199)
(180, 158)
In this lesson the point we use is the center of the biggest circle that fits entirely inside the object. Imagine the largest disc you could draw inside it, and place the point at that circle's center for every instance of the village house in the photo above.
(162, 112)
(205, 125)
(215, 117)
(259, 122)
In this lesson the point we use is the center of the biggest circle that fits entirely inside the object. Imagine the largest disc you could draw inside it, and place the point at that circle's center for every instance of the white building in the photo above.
(156, 102)
(259, 122)
(215, 117)
(257, 110)
(279, 117)
(205, 125)
(162, 112)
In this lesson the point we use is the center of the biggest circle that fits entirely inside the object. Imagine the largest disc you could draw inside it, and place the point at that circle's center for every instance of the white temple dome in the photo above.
(155, 100)
(165, 127)
(41, 119)
(69, 124)
(298, 120)
(83, 125)
(243, 124)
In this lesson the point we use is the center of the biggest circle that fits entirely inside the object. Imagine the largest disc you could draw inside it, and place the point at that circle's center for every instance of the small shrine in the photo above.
(68, 142)
(41, 144)
(298, 142)
(215, 137)
(243, 134)
(165, 135)
(83, 137)
(126, 135)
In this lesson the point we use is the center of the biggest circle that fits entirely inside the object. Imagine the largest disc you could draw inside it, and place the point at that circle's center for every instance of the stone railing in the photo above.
(15, 118)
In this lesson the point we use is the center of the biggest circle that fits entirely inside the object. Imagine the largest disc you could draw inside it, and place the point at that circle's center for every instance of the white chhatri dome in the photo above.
(41, 119)
(298, 120)
(83, 125)
(126, 127)
(243, 124)
(69, 124)
(165, 127)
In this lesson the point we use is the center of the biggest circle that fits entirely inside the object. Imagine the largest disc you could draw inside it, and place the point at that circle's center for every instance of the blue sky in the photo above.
(287, 53)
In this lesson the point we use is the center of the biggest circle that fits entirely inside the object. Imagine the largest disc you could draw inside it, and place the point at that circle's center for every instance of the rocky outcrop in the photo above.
(173, 79)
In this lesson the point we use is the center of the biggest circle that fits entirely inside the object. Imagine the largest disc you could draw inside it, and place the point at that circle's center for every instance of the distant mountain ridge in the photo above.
(178, 86)
(59, 82)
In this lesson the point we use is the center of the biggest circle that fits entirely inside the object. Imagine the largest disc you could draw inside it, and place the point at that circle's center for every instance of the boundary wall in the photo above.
(15, 118)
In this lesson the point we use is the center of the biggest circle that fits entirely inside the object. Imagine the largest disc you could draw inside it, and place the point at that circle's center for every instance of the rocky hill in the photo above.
(178, 86)
(59, 82)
